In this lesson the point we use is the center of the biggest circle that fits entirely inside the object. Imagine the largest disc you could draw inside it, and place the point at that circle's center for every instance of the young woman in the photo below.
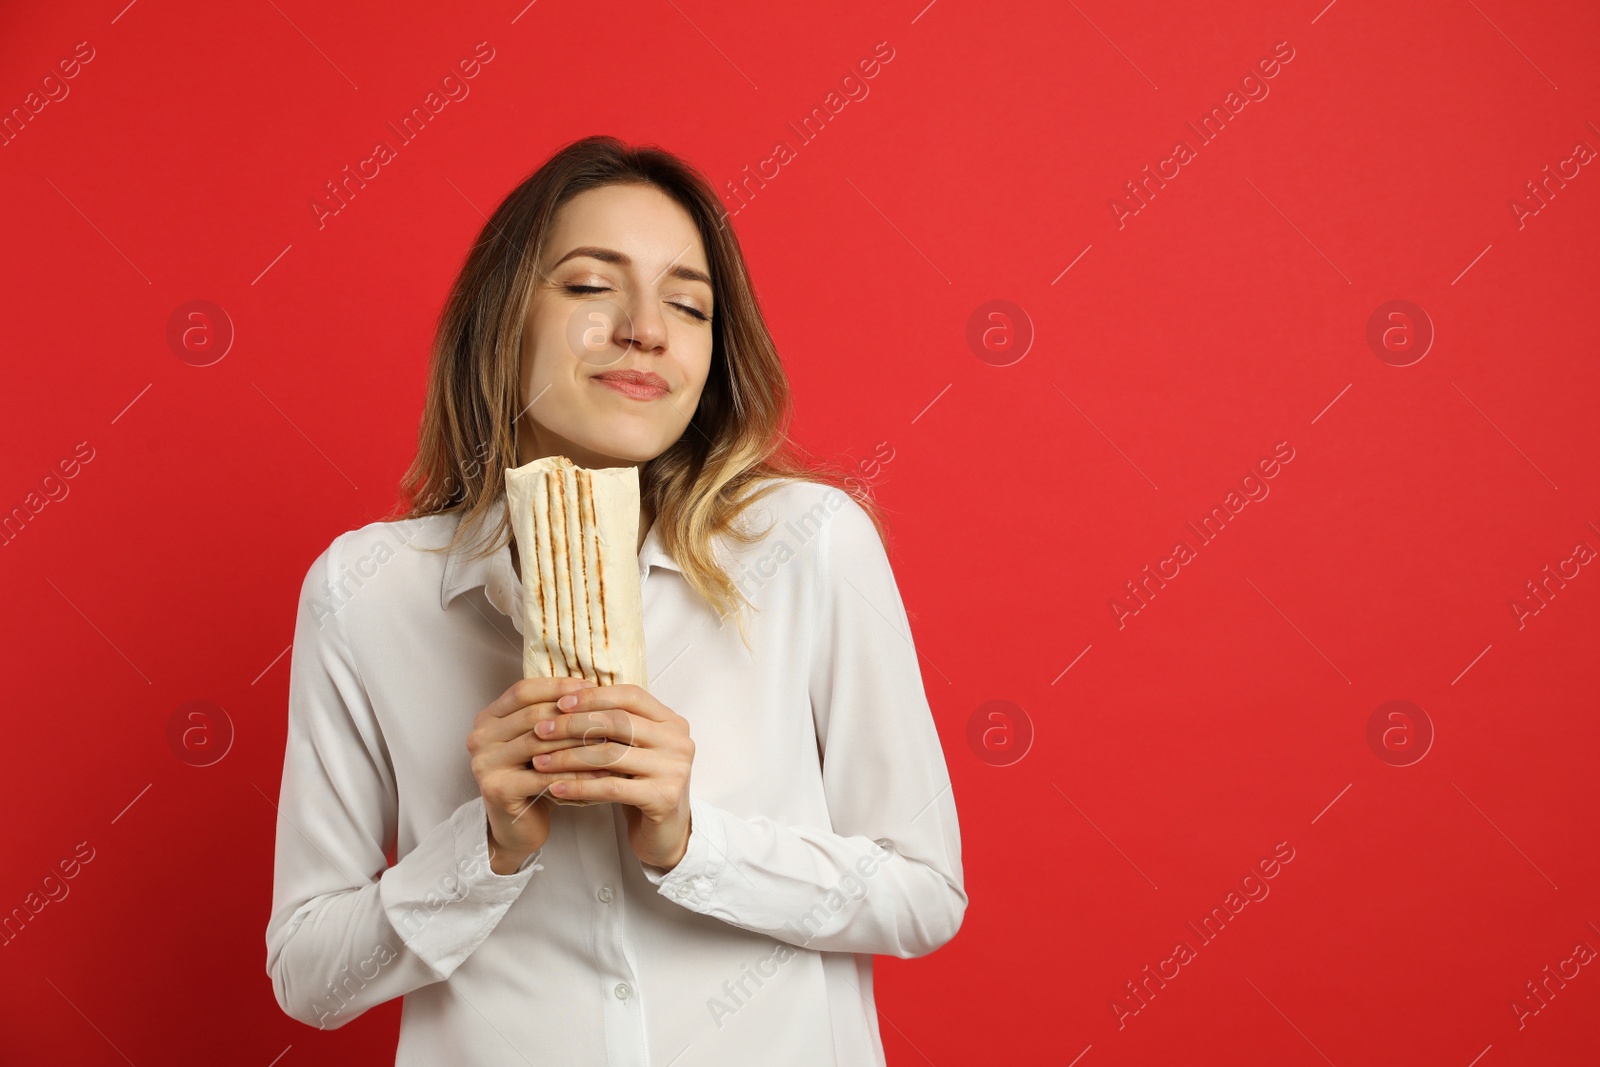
(772, 810)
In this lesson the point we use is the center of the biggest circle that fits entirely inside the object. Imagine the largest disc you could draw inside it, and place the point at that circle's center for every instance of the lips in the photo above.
(641, 385)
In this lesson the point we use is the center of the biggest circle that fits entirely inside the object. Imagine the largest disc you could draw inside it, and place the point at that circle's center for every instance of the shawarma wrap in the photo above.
(577, 533)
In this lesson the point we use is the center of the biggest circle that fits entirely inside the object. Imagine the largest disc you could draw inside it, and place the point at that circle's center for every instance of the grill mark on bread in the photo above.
(600, 569)
(584, 536)
(533, 563)
(524, 552)
(585, 529)
(558, 551)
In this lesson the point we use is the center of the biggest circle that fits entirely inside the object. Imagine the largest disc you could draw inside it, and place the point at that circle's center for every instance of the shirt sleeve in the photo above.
(347, 929)
(886, 878)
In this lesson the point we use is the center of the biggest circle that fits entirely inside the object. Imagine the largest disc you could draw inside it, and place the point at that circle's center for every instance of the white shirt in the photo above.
(823, 822)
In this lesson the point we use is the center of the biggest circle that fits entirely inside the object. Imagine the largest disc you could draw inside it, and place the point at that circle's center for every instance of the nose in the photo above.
(644, 327)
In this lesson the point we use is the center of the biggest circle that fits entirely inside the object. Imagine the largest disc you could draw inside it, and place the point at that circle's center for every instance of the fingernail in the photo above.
(545, 729)
(541, 759)
(567, 701)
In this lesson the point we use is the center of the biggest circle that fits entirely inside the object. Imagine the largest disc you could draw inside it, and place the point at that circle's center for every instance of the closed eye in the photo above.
(586, 289)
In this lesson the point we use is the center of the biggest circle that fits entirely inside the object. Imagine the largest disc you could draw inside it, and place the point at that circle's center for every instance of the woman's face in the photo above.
(626, 288)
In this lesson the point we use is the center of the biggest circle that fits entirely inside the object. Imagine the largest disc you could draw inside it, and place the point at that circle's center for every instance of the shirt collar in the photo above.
(462, 573)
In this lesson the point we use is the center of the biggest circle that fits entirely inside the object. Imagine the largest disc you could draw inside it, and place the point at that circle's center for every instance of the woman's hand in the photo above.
(628, 732)
(501, 744)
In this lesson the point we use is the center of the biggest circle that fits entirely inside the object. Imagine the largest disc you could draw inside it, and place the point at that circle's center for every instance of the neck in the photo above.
(646, 518)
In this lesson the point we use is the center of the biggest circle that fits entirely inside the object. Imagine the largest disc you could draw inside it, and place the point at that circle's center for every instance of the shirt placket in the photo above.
(601, 835)
(600, 828)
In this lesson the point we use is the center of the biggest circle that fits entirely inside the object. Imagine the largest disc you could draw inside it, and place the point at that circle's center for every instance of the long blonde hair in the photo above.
(737, 438)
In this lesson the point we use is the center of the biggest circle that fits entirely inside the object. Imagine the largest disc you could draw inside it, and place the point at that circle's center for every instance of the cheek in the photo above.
(698, 371)
(698, 391)
(546, 359)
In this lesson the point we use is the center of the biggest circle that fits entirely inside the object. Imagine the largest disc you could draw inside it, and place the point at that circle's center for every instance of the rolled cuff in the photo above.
(443, 898)
(693, 882)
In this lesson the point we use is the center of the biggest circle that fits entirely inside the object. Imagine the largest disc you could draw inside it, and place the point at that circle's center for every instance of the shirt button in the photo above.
(623, 992)
(605, 894)
(680, 890)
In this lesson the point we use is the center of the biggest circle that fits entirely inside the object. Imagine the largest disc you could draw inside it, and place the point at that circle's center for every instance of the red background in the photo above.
(1228, 315)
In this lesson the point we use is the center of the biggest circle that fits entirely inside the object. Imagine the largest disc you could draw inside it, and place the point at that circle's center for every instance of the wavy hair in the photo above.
(737, 447)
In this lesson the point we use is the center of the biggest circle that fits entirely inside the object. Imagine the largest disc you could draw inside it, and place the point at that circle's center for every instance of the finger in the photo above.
(517, 752)
(595, 727)
(522, 805)
(591, 727)
(497, 730)
(529, 785)
(530, 745)
(628, 697)
(527, 691)
(600, 727)
(637, 792)
(618, 759)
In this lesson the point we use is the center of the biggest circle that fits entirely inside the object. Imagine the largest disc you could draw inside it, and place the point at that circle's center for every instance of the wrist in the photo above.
(502, 860)
(503, 863)
(682, 850)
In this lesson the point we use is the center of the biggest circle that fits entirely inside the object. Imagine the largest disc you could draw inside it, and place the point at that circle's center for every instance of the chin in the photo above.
(620, 452)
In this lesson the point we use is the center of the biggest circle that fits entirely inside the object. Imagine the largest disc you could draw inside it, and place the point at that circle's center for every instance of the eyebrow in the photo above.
(610, 255)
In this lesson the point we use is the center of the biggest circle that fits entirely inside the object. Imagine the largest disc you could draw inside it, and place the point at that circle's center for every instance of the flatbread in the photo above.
(577, 534)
